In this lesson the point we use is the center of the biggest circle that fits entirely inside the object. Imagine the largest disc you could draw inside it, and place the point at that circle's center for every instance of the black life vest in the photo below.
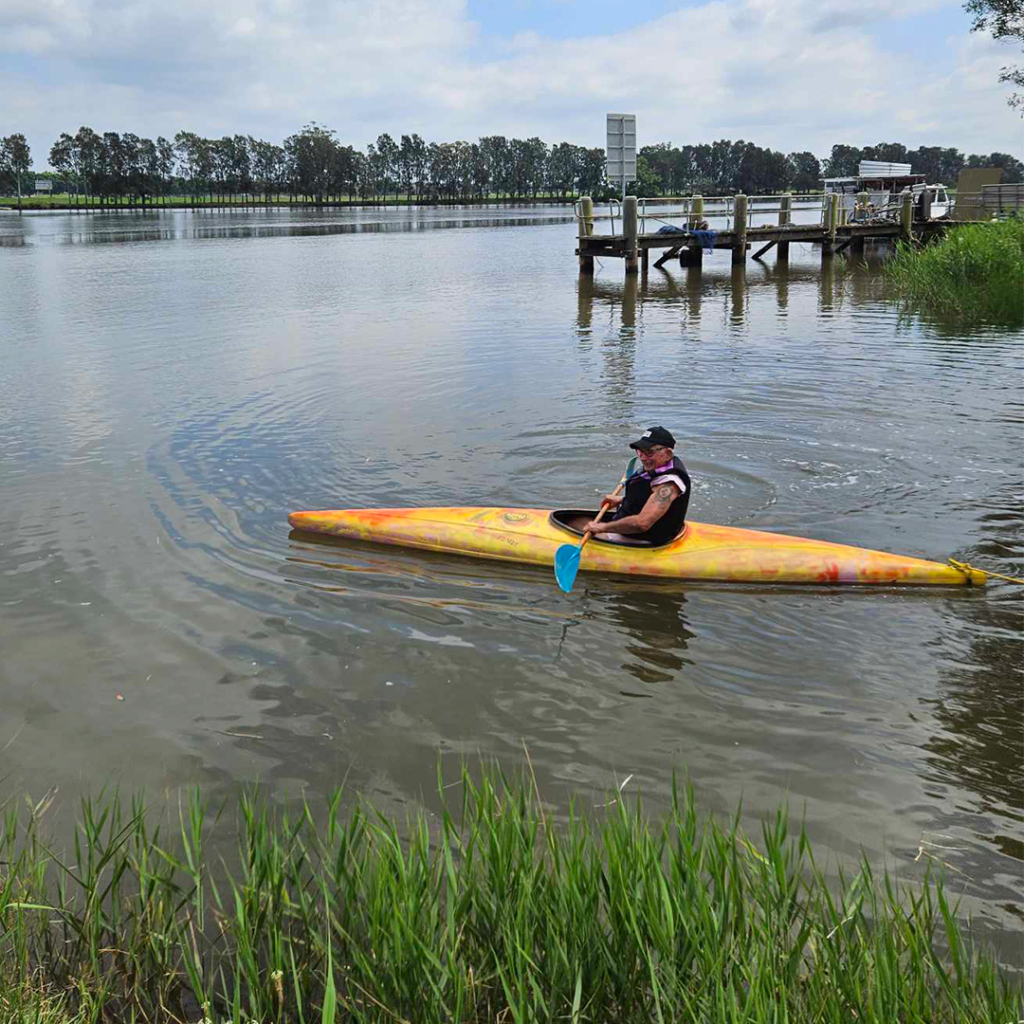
(640, 487)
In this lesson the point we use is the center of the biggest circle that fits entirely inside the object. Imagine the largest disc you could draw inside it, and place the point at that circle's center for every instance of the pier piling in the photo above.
(586, 228)
(782, 249)
(693, 255)
(907, 215)
(739, 249)
(828, 244)
(630, 228)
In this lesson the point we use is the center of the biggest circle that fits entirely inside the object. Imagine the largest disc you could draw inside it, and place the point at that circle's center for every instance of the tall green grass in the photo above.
(489, 912)
(974, 274)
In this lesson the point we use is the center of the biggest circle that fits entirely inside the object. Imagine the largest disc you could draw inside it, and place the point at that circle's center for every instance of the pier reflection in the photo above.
(730, 292)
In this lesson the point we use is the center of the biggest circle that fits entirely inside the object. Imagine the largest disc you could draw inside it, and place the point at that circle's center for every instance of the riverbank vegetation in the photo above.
(313, 166)
(488, 911)
(973, 274)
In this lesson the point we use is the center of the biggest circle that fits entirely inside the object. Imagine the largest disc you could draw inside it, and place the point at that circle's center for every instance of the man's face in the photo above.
(651, 458)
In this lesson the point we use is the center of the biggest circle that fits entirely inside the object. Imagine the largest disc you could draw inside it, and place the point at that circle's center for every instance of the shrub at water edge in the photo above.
(489, 912)
(975, 273)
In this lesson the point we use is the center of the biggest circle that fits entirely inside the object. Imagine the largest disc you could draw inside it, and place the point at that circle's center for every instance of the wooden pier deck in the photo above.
(833, 231)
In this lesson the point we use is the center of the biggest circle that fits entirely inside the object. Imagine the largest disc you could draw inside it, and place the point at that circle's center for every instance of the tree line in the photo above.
(725, 167)
(312, 165)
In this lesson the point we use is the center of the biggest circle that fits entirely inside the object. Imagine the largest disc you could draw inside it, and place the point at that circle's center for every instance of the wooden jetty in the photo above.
(837, 229)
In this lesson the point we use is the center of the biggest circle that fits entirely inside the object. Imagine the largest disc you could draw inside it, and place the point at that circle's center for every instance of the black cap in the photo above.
(654, 436)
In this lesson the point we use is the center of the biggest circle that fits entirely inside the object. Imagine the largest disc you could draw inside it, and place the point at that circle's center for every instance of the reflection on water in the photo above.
(164, 406)
(654, 624)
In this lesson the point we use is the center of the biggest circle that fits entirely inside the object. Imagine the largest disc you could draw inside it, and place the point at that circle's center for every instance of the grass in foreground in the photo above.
(975, 273)
(490, 913)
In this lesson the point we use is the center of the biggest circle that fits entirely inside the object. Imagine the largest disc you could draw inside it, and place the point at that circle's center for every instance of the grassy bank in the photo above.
(975, 273)
(489, 912)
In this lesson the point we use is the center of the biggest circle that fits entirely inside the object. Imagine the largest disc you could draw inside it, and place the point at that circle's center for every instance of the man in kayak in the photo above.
(653, 507)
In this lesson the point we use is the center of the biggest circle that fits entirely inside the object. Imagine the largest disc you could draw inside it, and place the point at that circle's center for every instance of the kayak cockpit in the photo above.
(573, 520)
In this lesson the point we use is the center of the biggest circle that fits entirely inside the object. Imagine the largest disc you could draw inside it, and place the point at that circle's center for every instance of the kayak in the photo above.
(702, 552)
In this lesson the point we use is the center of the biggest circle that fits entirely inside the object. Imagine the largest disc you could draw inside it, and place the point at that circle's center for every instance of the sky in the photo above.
(785, 74)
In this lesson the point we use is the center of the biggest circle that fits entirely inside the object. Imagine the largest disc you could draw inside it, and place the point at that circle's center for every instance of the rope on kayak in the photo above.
(967, 568)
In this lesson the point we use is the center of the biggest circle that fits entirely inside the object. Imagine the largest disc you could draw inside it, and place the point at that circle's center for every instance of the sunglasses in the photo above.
(650, 451)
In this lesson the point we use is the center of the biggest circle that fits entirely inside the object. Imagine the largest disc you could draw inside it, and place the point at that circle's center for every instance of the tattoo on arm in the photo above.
(665, 494)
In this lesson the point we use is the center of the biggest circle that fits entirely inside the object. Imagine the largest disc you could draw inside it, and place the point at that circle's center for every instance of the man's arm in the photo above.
(654, 508)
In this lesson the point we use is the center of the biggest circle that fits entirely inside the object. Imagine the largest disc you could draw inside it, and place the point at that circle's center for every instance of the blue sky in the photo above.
(790, 74)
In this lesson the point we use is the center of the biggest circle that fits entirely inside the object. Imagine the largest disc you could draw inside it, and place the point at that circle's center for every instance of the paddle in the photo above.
(567, 557)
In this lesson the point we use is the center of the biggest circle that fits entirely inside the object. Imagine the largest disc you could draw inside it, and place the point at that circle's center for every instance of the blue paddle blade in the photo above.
(567, 564)
(567, 557)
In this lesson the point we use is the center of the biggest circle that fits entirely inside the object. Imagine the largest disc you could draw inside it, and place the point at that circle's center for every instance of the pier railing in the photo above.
(719, 212)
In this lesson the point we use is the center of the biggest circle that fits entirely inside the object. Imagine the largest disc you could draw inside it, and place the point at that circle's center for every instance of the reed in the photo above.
(491, 912)
(974, 274)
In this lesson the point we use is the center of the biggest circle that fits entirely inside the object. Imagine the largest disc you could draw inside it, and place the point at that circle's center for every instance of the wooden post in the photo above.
(907, 215)
(782, 250)
(586, 229)
(828, 244)
(926, 205)
(630, 228)
(696, 211)
(739, 229)
(645, 255)
(693, 255)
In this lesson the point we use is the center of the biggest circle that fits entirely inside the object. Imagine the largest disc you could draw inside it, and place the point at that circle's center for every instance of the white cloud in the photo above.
(791, 74)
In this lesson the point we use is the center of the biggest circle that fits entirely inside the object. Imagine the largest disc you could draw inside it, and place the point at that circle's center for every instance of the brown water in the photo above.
(172, 385)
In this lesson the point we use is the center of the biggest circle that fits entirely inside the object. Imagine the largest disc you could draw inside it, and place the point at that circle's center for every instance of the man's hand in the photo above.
(612, 500)
(595, 527)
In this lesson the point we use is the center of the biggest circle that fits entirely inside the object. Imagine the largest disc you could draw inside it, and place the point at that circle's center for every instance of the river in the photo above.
(173, 384)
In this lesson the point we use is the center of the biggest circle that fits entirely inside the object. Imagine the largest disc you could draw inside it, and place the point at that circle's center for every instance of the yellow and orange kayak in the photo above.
(702, 552)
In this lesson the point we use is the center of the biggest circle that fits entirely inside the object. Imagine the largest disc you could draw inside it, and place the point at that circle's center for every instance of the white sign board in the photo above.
(44, 185)
(621, 148)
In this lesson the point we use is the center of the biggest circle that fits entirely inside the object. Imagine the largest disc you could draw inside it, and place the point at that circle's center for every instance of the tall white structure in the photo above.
(621, 149)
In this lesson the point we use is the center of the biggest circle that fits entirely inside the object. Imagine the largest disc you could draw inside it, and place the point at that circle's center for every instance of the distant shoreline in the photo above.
(36, 204)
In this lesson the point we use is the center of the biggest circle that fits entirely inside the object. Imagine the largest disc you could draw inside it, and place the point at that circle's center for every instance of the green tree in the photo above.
(494, 151)
(89, 159)
(62, 160)
(195, 160)
(891, 152)
(268, 167)
(843, 161)
(386, 154)
(648, 181)
(936, 163)
(592, 170)
(311, 158)
(16, 157)
(164, 164)
(804, 171)
(661, 163)
(1005, 20)
(1013, 169)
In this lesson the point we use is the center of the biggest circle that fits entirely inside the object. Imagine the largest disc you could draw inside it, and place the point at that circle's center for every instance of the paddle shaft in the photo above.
(604, 508)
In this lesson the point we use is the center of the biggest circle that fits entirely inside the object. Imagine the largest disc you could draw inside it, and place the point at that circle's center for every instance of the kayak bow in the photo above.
(725, 554)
